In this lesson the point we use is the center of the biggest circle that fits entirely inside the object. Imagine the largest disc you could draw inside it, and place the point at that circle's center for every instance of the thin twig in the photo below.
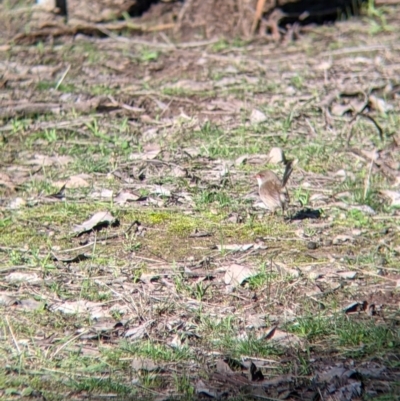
(257, 15)
(360, 49)
(187, 4)
(12, 335)
(367, 182)
(68, 342)
(63, 76)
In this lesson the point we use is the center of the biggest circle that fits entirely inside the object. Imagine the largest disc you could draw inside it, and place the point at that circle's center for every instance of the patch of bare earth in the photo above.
(135, 259)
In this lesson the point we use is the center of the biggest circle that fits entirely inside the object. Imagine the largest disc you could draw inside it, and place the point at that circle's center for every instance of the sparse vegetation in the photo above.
(155, 303)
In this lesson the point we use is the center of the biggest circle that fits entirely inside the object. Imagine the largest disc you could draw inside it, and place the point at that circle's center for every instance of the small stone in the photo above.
(276, 156)
(257, 117)
(17, 203)
(312, 245)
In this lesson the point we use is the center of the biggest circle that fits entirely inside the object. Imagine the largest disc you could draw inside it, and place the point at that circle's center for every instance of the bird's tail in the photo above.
(288, 171)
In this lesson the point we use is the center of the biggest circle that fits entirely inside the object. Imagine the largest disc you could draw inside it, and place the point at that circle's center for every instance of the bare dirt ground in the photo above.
(135, 259)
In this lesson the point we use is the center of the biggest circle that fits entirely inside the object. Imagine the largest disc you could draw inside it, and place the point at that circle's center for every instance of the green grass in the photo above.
(162, 276)
(48, 85)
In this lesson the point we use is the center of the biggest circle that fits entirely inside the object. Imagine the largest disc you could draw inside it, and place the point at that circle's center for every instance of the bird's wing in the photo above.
(276, 187)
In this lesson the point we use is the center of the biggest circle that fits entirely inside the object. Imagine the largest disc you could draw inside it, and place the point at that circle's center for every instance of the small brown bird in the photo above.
(272, 189)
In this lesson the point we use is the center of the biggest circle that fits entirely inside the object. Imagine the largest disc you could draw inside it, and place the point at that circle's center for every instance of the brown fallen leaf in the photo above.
(348, 275)
(144, 364)
(20, 174)
(192, 152)
(104, 193)
(71, 259)
(223, 367)
(256, 159)
(138, 332)
(28, 109)
(161, 190)
(379, 104)
(241, 160)
(8, 299)
(47, 161)
(341, 239)
(283, 338)
(5, 181)
(201, 388)
(19, 277)
(341, 109)
(179, 172)
(237, 274)
(76, 181)
(193, 86)
(150, 152)
(93, 309)
(199, 234)
(30, 304)
(255, 321)
(125, 196)
(394, 196)
(235, 247)
(98, 220)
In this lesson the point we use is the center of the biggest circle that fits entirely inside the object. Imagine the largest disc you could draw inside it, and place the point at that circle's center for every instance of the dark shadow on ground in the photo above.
(318, 12)
(306, 214)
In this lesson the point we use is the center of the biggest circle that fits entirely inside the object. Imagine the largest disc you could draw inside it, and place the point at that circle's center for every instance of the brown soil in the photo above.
(180, 127)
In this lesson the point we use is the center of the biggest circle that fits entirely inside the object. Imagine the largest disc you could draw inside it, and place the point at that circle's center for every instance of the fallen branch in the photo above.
(13, 110)
(51, 30)
(31, 109)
